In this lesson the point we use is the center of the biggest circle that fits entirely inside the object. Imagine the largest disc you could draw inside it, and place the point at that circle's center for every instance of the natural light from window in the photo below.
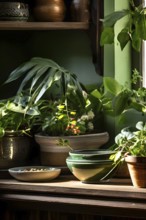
(144, 57)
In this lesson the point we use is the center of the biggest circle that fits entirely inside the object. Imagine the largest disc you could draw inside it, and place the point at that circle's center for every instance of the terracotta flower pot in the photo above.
(137, 170)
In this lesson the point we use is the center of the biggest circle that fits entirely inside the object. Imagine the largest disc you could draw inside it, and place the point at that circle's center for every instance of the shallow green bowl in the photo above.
(91, 154)
(90, 171)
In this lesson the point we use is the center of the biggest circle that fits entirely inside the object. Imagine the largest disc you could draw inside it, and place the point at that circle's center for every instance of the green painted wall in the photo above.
(117, 63)
(70, 49)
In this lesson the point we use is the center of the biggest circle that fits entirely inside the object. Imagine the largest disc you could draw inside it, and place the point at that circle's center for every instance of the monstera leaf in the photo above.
(40, 75)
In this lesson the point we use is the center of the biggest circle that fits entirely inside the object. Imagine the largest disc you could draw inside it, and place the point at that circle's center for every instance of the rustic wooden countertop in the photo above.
(115, 197)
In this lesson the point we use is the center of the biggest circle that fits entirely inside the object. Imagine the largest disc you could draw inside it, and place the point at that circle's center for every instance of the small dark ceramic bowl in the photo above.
(91, 154)
(90, 171)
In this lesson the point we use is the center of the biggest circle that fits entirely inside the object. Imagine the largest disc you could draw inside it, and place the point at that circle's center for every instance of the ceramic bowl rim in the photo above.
(95, 152)
(92, 162)
(22, 169)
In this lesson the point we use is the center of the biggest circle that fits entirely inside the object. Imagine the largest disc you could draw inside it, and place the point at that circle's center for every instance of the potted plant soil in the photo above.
(130, 146)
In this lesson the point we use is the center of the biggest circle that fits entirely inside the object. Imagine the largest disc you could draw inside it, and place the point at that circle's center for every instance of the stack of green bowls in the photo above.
(91, 166)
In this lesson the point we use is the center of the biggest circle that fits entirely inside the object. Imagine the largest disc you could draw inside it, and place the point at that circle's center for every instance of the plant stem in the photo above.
(66, 107)
(132, 3)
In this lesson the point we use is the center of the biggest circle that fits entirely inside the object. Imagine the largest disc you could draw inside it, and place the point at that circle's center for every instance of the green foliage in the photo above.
(54, 98)
(110, 20)
(107, 36)
(42, 77)
(117, 99)
(16, 118)
(134, 30)
(112, 86)
(130, 142)
(57, 119)
(50, 99)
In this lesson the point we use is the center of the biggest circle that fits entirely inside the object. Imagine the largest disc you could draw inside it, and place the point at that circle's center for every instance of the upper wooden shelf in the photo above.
(20, 25)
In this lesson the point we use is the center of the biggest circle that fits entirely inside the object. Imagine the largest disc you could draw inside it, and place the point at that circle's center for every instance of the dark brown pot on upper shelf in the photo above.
(137, 170)
(80, 10)
(49, 10)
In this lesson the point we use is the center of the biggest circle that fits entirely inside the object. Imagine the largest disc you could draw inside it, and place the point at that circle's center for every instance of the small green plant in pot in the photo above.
(17, 118)
(130, 146)
(15, 133)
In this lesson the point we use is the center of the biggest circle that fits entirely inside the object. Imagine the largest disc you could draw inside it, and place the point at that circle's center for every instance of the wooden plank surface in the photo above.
(19, 25)
(115, 188)
(66, 194)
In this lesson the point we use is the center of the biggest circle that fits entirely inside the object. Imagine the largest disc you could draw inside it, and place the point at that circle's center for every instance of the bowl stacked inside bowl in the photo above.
(92, 166)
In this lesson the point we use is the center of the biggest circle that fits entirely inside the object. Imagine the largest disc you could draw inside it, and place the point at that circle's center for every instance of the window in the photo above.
(144, 63)
(144, 57)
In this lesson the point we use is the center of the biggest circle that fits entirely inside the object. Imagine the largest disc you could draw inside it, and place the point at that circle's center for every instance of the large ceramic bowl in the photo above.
(90, 171)
(91, 154)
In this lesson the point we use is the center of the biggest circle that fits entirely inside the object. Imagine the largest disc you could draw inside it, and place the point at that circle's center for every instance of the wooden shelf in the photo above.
(23, 26)
(93, 27)
(66, 194)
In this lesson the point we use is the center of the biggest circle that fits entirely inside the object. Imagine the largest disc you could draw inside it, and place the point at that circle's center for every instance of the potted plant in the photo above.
(133, 31)
(15, 133)
(64, 128)
(130, 146)
(71, 126)
(63, 103)
(131, 100)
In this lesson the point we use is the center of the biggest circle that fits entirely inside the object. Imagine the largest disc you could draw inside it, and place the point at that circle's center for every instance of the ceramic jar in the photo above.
(15, 150)
(14, 11)
(49, 10)
(80, 10)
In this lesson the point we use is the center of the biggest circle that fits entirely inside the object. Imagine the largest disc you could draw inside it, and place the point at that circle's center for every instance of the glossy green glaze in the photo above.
(91, 154)
(90, 171)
